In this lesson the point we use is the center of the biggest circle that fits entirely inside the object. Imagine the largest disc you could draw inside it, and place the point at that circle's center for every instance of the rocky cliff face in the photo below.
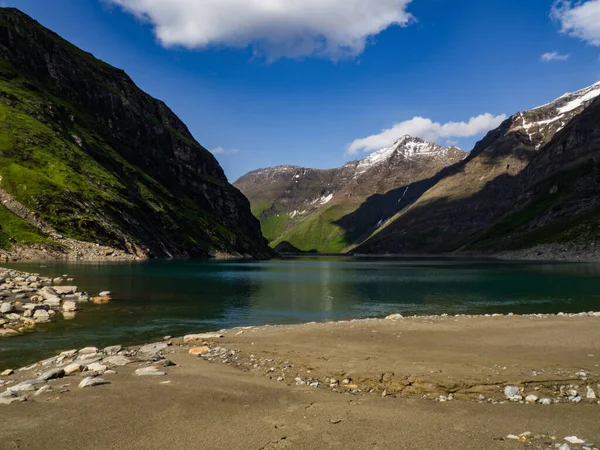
(490, 200)
(101, 161)
(333, 210)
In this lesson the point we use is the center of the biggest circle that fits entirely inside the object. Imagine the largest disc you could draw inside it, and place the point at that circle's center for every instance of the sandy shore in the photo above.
(359, 384)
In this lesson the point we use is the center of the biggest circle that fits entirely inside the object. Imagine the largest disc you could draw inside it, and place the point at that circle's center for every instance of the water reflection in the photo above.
(156, 298)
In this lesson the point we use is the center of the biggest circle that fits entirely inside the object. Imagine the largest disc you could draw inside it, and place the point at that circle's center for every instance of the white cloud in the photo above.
(427, 130)
(273, 28)
(580, 19)
(223, 151)
(554, 56)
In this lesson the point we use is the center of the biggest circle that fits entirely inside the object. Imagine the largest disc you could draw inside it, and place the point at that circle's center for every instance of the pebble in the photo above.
(574, 440)
(92, 381)
(104, 294)
(545, 401)
(531, 398)
(7, 372)
(564, 447)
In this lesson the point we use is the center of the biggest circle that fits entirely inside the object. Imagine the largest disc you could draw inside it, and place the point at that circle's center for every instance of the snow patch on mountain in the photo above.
(576, 103)
(407, 146)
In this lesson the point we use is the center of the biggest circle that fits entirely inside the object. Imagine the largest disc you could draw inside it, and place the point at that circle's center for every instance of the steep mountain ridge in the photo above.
(90, 154)
(491, 183)
(319, 210)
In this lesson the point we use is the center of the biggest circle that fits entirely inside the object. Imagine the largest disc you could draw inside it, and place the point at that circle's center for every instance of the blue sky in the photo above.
(268, 82)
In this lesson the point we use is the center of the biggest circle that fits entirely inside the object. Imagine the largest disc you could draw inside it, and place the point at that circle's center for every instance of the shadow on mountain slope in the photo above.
(552, 195)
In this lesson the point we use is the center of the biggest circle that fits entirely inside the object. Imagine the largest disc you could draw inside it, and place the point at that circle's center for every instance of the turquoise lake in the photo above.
(156, 298)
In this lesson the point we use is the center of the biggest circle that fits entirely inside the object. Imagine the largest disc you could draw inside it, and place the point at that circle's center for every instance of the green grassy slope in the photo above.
(85, 158)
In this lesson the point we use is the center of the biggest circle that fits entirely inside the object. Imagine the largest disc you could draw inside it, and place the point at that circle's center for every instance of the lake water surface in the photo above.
(156, 298)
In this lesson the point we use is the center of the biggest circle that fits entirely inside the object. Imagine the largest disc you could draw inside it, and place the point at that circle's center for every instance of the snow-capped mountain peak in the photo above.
(543, 122)
(408, 147)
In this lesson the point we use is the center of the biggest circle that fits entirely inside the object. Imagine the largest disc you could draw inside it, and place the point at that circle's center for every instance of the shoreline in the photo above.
(519, 377)
(28, 299)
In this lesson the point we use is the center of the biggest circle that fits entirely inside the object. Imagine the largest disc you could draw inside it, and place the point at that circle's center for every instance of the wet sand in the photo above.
(233, 400)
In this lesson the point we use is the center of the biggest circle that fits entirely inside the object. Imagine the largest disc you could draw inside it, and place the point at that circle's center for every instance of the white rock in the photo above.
(572, 392)
(511, 391)
(117, 360)
(574, 440)
(591, 395)
(91, 381)
(42, 390)
(145, 371)
(65, 290)
(29, 385)
(104, 294)
(7, 372)
(69, 306)
(68, 353)
(564, 447)
(41, 315)
(545, 401)
(96, 367)
(72, 368)
(531, 398)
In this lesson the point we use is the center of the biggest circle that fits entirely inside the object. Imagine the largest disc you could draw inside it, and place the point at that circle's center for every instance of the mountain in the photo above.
(87, 157)
(532, 183)
(333, 210)
(529, 182)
